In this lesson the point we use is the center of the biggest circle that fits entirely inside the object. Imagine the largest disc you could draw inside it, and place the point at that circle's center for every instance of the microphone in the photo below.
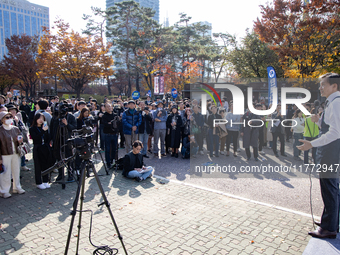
(316, 105)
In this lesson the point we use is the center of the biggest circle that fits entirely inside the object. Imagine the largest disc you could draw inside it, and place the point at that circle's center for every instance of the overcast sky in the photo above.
(226, 16)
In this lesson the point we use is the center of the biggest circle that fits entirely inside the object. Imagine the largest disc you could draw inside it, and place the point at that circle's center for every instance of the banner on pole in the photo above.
(161, 85)
(156, 85)
(272, 83)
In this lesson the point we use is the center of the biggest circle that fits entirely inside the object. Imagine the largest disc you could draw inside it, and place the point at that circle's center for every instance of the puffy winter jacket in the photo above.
(129, 120)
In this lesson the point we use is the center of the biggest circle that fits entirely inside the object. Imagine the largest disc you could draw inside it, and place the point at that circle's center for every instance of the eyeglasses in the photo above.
(9, 117)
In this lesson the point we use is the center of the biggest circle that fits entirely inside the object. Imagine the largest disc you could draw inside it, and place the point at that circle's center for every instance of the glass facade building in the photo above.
(21, 17)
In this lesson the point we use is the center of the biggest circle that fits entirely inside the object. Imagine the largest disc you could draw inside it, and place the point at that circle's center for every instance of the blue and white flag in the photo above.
(272, 83)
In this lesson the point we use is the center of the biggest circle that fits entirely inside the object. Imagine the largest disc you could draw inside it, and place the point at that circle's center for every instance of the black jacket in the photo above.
(146, 123)
(198, 119)
(108, 127)
(211, 119)
(71, 125)
(38, 135)
(130, 162)
(25, 108)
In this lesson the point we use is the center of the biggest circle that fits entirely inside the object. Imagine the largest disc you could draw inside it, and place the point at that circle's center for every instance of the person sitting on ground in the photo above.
(134, 165)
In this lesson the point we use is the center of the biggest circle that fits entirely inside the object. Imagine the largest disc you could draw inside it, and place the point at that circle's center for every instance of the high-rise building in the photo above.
(153, 4)
(21, 17)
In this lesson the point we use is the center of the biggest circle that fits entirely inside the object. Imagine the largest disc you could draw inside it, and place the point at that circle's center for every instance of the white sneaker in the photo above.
(5, 195)
(262, 152)
(19, 191)
(222, 152)
(47, 186)
(25, 168)
(41, 186)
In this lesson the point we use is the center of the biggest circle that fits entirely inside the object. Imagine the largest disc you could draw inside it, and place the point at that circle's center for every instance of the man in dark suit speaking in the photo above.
(327, 158)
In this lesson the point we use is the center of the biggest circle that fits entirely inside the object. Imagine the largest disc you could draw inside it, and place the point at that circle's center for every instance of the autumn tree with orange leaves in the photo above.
(76, 59)
(305, 36)
(19, 64)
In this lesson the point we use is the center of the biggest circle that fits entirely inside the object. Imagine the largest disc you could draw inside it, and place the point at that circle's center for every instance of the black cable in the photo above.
(101, 250)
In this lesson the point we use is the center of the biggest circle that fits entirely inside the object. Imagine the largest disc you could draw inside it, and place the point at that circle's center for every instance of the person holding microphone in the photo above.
(327, 155)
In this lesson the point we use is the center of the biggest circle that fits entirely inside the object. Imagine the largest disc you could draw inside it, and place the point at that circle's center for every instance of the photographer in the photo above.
(84, 119)
(61, 128)
(134, 165)
(101, 126)
(119, 109)
(110, 122)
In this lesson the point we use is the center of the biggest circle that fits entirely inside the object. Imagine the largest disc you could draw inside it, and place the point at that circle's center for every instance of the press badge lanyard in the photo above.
(42, 138)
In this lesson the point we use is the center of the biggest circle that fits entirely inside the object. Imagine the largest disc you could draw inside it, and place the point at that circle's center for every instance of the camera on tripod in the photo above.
(60, 110)
(82, 140)
(88, 121)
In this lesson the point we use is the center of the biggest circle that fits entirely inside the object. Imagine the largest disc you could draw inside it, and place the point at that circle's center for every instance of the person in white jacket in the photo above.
(298, 131)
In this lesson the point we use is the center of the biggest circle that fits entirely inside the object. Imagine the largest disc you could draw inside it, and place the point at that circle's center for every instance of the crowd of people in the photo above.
(149, 128)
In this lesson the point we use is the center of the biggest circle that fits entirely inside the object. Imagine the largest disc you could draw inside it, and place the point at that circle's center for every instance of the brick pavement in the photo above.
(153, 218)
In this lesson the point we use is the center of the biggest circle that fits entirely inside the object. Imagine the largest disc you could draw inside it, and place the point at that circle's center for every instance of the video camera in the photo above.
(82, 140)
(60, 110)
(89, 121)
(117, 109)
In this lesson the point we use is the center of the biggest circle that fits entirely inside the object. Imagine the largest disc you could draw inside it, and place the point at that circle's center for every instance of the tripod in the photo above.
(85, 166)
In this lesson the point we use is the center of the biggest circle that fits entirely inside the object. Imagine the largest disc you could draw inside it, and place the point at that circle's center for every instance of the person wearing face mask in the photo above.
(10, 138)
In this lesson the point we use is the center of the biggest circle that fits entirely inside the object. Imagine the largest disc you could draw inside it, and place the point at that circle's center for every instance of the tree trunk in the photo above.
(137, 82)
(108, 86)
(129, 86)
(26, 91)
(78, 89)
(34, 87)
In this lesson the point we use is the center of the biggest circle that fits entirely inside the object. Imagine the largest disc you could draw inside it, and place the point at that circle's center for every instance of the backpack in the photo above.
(119, 164)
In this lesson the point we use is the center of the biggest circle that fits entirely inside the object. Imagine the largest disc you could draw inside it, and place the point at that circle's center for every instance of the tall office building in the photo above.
(21, 17)
(153, 4)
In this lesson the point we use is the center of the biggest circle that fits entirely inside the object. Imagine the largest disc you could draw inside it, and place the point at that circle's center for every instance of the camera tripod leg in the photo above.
(107, 172)
(116, 155)
(82, 197)
(74, 210)
(107, 204)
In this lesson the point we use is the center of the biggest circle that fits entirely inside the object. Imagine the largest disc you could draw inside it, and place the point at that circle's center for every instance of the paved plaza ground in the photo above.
(186, 215)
